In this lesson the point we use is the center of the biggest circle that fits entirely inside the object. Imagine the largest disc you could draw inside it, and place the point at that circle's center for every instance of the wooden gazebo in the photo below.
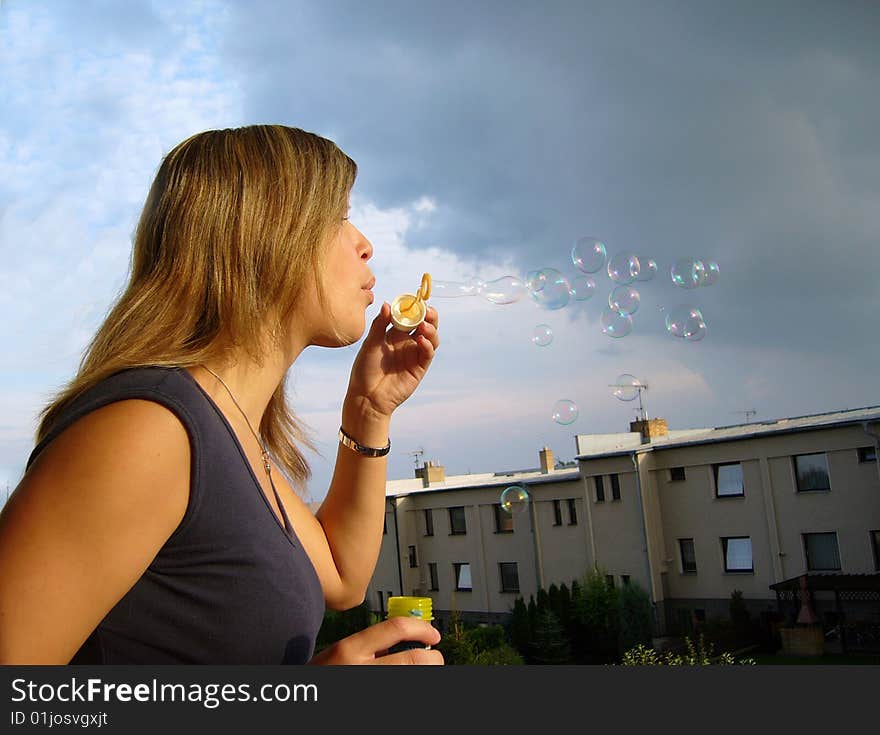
(797, 596)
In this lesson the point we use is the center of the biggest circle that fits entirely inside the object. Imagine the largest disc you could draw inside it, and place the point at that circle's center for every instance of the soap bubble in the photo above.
(624, 268)
(615, 323)
(542, 335)
(626, 387)
(686, 322)
(549, 288)
(514, 499)
(647, 269)
(536, 280)
(565, 412)
(588, 254)
(504, 290)
(451, 289)
(688, 272)
(712, 273)
(582, 288)
(624, 299)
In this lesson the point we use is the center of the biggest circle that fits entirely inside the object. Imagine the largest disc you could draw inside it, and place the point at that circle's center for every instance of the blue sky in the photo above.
(489, 136)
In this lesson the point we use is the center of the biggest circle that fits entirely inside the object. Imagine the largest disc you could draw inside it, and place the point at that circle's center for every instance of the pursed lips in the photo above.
(368, 287)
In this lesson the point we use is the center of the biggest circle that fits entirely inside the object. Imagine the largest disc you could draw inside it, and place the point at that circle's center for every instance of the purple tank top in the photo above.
(231, 585)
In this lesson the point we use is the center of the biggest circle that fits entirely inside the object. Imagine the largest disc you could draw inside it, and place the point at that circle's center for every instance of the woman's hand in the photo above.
(369, 646)
(391, 364)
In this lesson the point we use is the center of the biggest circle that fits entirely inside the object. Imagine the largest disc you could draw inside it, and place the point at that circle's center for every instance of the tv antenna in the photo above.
(746, 413)
(415, 455)
(638, 386)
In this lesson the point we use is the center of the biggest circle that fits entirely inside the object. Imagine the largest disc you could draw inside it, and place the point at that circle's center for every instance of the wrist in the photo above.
(367, 426)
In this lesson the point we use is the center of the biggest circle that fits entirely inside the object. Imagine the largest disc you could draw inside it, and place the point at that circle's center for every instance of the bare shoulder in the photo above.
(124, 450)
(85, 522)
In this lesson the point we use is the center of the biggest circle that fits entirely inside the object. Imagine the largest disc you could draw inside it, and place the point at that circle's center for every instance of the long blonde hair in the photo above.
(233, 225)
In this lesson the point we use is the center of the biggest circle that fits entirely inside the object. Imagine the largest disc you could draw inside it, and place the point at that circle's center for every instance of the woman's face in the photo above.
(347, 284)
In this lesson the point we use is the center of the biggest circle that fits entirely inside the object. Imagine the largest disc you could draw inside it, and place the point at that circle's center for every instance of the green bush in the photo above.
(596, 620)
(468, 645)
(339, 624)
(635, 617)
(696, 655)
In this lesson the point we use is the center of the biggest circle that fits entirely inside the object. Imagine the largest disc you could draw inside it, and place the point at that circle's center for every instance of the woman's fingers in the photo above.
(382, 636)
(413, 657)
(380, 323)
(370, 645)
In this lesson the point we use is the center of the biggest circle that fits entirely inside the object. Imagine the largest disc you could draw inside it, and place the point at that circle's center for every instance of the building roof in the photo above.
(831, 581)
(394, 488)
(594, 446)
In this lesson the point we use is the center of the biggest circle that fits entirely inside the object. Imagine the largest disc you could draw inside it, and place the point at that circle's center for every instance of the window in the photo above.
(381, 601)
(572, 512)
(624, 579)
(811, 472)
(429, 522)
(615, 487)
(412, 557)
(875, 547)
(821, 552)
(688, 556)
(385, 525)
(457, 525)
(462, 577)
(557, 513)
(867, 454)
(609, 580)
(509, 576)
(737, 554)
(503, 520)
(728, 480)
(676, 474)
(600, 489)
(432, 573)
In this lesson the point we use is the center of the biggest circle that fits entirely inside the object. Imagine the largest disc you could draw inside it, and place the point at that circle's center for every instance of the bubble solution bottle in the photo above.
(409, 607)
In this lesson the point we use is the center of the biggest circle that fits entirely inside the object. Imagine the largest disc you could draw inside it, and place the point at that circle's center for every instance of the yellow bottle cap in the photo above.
(409, 310)
(410, 607)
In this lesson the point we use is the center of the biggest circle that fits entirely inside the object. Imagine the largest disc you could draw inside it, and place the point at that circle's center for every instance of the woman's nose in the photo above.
(365, 247)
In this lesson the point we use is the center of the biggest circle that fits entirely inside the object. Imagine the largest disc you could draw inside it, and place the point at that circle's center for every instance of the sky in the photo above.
(490, 137)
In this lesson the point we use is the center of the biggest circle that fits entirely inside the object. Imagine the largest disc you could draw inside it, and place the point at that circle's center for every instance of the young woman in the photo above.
(158, 520)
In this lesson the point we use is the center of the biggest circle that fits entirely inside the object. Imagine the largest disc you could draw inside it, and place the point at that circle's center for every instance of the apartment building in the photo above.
(690, 515)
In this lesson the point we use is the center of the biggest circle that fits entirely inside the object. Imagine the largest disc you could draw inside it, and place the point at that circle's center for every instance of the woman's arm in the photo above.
(85, 522)
(388, 368)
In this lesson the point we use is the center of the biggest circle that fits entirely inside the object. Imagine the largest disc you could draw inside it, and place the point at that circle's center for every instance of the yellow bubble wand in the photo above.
(423, 294)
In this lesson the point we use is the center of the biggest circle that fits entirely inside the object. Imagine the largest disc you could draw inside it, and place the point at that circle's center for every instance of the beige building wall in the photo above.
(618, 527)
(638, 535)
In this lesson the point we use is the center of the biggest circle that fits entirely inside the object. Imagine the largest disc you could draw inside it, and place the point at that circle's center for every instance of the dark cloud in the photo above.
(735, 131)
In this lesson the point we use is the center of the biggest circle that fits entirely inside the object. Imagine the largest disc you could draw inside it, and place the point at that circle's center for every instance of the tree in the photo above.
(551, 642)
(635, 617)
(597, 620)
(564, 611)
(520, 630)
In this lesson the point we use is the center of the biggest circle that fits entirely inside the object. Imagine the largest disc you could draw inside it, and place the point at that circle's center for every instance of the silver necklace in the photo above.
(264, 452)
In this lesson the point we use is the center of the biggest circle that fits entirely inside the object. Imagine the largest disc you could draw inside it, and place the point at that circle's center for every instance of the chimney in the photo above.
(650, 429)
(430, 473)
(546, 457)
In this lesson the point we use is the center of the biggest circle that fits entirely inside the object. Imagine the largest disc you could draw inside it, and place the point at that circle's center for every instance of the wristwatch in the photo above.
(364, 451)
